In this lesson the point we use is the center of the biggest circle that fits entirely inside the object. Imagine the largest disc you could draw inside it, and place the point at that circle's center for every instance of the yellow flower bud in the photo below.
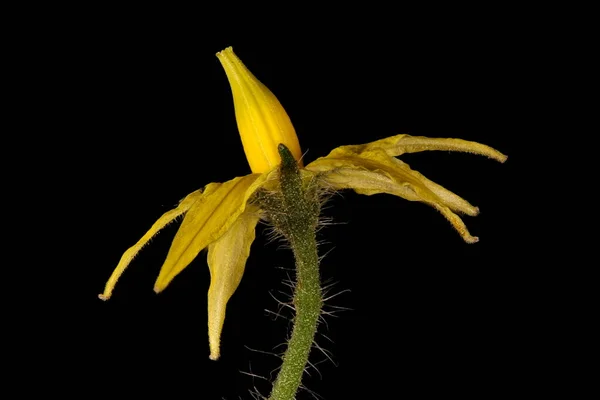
(262, 122)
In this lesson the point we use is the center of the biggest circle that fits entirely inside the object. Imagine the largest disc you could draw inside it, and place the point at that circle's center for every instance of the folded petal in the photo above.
(376, 172)
(262, 121)
(226, 260)
(206, 221)
(163, 221)
(400, 144)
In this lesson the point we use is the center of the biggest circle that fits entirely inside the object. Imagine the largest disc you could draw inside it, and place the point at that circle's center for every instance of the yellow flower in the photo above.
(222, 217)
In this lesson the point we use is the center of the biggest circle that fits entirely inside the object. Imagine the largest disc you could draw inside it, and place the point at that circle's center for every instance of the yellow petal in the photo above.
(401, 144)
(206, 221)
(376, 172)
(130, 254)
(227, 259)
(262, 122)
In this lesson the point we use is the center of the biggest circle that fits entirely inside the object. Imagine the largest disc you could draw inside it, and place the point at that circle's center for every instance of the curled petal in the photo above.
(226, 260)
(206, 221)
(400, 144)
(376, 172)
(401, 172)
(130, 254)
(448, 198)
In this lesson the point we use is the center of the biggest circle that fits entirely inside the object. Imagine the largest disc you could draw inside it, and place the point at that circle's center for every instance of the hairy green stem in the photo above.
(295, 215)
(307, 301)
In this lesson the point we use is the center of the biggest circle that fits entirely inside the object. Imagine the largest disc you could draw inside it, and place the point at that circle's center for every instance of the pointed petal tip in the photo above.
(158, 288)
(471, 239)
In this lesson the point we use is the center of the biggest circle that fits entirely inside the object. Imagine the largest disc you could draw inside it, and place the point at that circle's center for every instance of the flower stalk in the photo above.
(294, 212)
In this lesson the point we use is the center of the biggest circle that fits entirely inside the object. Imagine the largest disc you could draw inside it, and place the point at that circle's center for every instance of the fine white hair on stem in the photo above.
(322, 256)
(311, 392)
(313, 367)
(281, 303)
(325, 352)
(264, 352)
(325, 336)
(277, 315)
(253, 375)
(336, 294)
(256, 395)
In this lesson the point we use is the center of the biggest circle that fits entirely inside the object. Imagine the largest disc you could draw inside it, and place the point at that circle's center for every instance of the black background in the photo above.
(148, 117)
